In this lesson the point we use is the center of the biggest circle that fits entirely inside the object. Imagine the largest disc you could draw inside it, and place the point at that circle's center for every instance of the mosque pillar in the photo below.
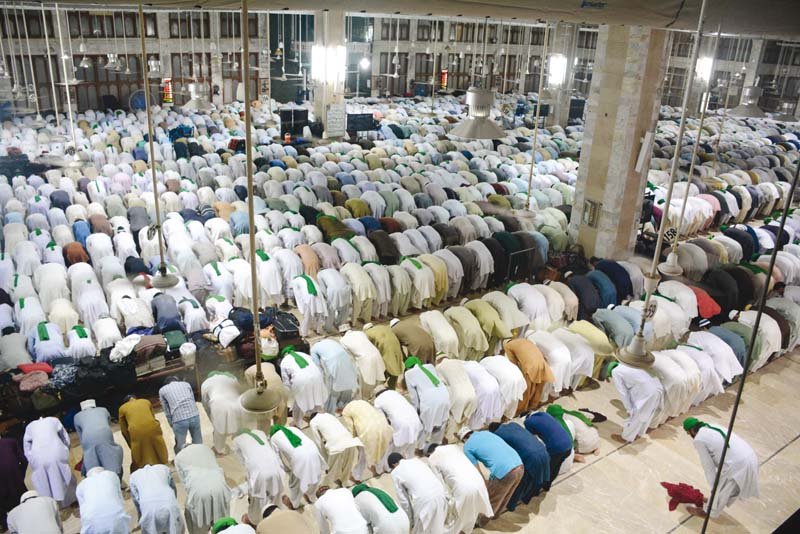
(216, 59)
(622, 108)
(328, 62)
(751, 67)
(561, 70)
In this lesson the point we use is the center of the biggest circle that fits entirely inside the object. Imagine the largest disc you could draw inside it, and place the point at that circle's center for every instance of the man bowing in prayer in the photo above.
(431, 399)
(641, 393)
(420, 493)
(142, 432)
(739, 476)
(380, 511)
(302, 460)
(265, 475)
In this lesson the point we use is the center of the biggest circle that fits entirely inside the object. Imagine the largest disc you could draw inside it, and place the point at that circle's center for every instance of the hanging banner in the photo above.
(167, 96)
(443, 80)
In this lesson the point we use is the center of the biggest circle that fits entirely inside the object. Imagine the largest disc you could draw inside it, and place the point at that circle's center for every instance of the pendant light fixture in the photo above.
(162, 279)
(636, 353)
(53, 94)
(127, 71)
(75, 161)
(38, 121)
(85, 63)
(535, 136)
(113, 57)
(260, 399)
(67, 59)
(198, 100)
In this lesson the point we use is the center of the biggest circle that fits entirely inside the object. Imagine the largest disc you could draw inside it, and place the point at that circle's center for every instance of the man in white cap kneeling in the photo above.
(35, 515)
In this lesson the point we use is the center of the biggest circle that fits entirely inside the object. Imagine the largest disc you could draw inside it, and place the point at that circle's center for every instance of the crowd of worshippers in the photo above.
(336, 443)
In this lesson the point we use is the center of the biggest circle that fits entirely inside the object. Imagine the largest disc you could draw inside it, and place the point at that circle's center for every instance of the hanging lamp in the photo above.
(749, 106)
(478, 125)
(260, 399)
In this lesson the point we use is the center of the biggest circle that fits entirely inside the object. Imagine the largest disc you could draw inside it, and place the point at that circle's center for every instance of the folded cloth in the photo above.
(31, 367)
(682, 493)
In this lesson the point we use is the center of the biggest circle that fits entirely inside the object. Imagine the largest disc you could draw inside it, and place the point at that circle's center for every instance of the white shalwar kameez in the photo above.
(532, 303)
(558, 358)
(403, 419)
(581, 354)
(432, 402)
(270, 280)
(710, 383)
(311, 302)
(739, 474)
(512, 382)
(489, 405)
(642, 395)
(422, 495)
(101, 505)
(423, 282)
(379, 519)
(371, 369)
(677, 384)
(469, 496)
(305, 383)
(304, 464)
(153, 492)
(463, 399)
(338, 295)
(337, 513)
(46, 446)
(725, 362)
(220, 396)
(265, 475)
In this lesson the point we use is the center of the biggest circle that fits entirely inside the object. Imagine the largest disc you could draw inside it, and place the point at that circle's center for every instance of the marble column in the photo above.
(622, 107)
(329, 32)
(751, 67)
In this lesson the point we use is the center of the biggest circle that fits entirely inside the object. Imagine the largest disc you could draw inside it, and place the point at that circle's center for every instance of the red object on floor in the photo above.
(682, 494)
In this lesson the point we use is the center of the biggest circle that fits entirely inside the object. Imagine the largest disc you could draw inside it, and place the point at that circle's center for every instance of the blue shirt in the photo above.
(494, 453)
(605, 287)
(555, 437)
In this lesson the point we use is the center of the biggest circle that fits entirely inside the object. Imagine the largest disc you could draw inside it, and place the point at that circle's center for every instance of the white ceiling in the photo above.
(751, 17)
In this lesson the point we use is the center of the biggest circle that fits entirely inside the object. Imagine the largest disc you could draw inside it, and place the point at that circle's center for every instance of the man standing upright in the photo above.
(180, 409)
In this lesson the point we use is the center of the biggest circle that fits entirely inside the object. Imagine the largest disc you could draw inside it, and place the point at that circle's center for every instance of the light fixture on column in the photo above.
(478, 125)
(786, 114)
(364, 63)
(328, 63)
(557, 66)
(703, 69)
(749, 106)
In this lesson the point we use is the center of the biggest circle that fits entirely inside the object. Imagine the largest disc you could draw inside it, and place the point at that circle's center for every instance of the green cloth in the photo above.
(293, 438)
(558, 411)
(251, 434)
(301, 362)
(414, 262)
(216, 269)
(312, 289)
(222, 524)
(611, 366)
(692, 422)
(412, 361)
(21, 304)
(221, 373)
(381, 495)
(263, 255)
(81, 331)
(41, 330)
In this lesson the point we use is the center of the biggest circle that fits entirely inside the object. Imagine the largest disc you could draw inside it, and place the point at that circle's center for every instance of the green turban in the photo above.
(222, 524)
(611, 366)
(557, 412)
(293, 438)
(691, 423)
(413, 361)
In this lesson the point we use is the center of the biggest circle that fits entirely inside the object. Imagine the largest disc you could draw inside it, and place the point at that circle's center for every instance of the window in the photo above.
(461, 32)
(389, 29)
(230, 25)
(516, 33)
(103, 88)
(734, 49)
(384, 82)
(587, 39)
(107, 25)
(33, 18)
(426, 28)
(681, 44)
(181, 24)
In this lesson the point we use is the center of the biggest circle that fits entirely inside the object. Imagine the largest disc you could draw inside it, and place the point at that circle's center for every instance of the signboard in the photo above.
(443, 79)
(336, 120)
(360, 122)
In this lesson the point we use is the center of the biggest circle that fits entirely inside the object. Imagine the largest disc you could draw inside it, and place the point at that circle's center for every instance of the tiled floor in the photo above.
(618, 490)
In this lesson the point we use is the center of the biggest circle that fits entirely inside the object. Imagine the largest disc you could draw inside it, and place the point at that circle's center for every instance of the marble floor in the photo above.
(618, 490)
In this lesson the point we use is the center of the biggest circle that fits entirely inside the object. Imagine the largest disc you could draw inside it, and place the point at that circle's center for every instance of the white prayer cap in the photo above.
(394, 321)
(88, 403)
(464, 432)
(94, 470)
(28, 495)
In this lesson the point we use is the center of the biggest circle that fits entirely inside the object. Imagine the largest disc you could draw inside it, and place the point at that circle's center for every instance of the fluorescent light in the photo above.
(558, 70)
(364, 63)
(328, 64)
(703, 68)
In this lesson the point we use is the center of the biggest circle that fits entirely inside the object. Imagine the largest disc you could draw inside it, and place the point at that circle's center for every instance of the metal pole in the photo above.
(538, 108)
(248, 141)
(508, 55)
(30, 63)
(704, 98)
(50, 68)
(162, 267)
(474, 52)
(762, 303)
(485, 38)
(676, 158)
(66, 82)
